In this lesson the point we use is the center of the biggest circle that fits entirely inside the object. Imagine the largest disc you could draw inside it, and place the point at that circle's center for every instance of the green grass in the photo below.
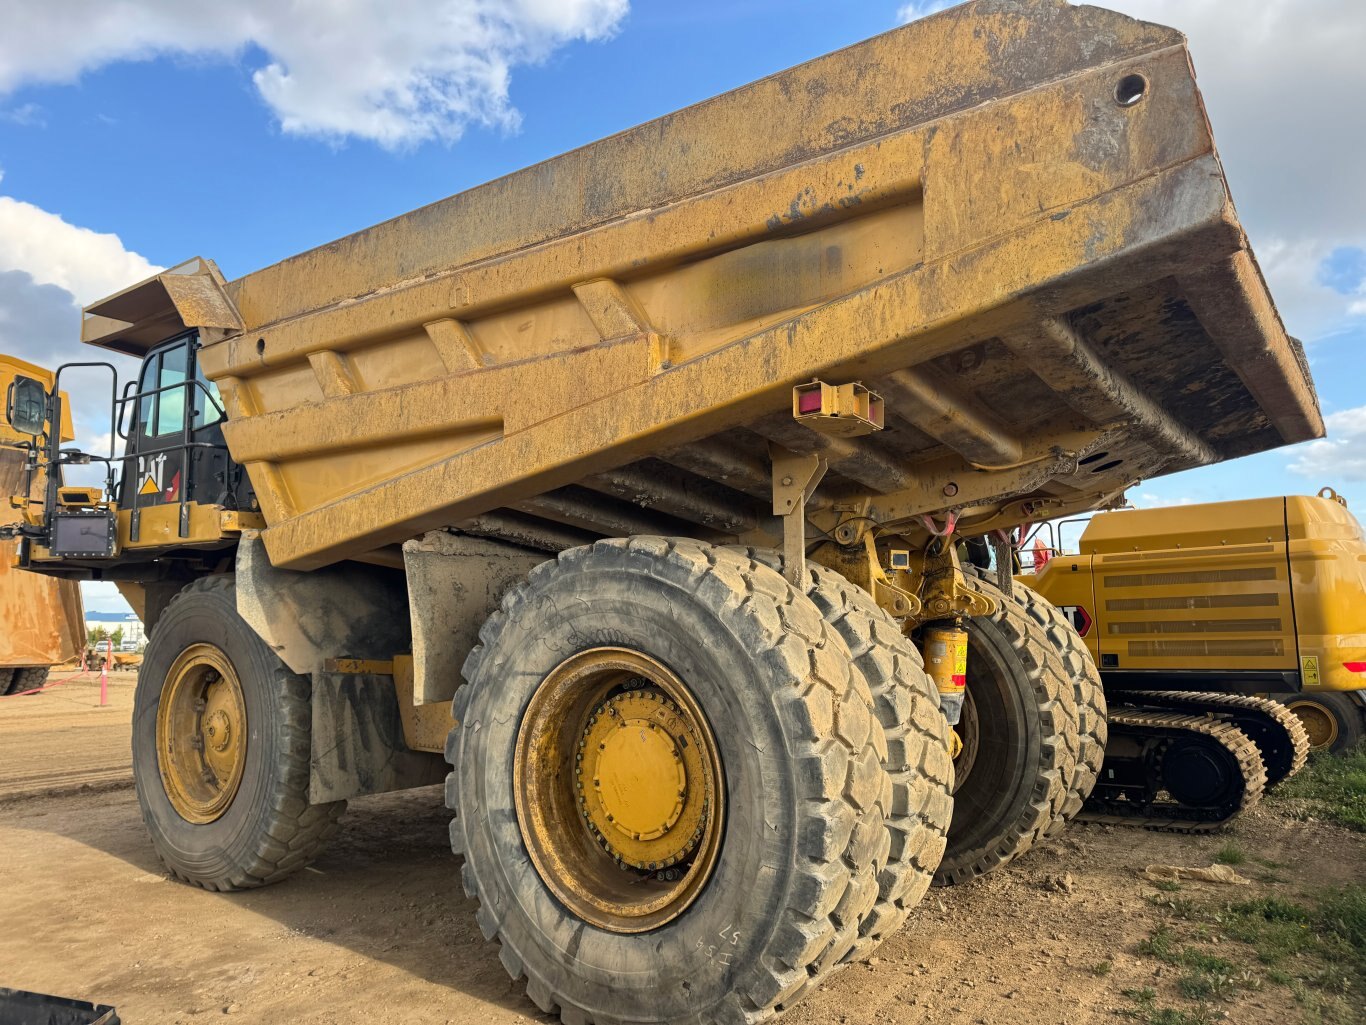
(1333, 787)
(1102, 968)
(1168, 885)
(1145, 1009)
(1230, 854)
(1315, 947)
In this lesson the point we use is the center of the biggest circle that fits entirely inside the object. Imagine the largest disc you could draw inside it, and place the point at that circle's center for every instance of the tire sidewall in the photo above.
(215, 850)
(689, 965)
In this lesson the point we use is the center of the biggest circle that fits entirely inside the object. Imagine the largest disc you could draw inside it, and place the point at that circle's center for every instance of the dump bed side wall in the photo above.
(903, 78)
(447, 387)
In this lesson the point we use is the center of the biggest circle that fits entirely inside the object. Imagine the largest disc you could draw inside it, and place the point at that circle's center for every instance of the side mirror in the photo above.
(26, 408)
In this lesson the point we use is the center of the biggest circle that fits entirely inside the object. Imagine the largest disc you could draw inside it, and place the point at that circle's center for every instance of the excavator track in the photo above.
(1175, 771)
(1280, 737)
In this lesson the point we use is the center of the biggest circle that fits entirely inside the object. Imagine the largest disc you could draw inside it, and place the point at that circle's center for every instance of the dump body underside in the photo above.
(1049, 288)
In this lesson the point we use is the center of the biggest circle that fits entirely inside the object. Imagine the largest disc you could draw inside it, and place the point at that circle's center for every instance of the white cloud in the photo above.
(397, 72)
(920, 8)
(86, 263)
(1151, 501)
(49, 268)
(1341, 456)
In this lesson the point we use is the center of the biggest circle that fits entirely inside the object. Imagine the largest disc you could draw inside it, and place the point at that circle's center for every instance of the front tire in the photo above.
(221, 737)
(756, 671)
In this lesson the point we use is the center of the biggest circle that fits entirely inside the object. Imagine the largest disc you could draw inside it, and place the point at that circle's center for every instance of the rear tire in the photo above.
(268, 830)
(1087, 689)
(801, 755)
(1021, 742)
(1334, 722)
(918, 763)
(28, 678)
(6, 681)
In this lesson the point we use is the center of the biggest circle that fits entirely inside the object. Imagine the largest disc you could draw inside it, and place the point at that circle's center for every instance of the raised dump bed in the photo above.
(1009, 220)
(980, 270)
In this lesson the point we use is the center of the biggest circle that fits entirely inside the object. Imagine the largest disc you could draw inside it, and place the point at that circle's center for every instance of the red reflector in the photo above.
(1355, 667)
(809, 401)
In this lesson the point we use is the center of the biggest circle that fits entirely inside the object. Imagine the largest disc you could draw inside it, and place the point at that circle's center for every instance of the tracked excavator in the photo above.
(1231, 639)
(620, 494)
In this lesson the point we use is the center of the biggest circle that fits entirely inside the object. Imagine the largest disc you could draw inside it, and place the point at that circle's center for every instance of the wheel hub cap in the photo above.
(637, 756)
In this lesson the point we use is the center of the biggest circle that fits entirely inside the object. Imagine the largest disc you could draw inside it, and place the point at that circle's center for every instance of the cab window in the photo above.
(163, 412)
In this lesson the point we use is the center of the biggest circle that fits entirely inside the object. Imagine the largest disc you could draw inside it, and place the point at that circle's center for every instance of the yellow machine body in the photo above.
(1268, 594)
(42, 620)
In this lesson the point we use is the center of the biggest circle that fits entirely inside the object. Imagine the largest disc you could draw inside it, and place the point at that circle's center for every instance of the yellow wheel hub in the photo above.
(637, 756)
(1319, 723)
(619, 789)
(201, 734)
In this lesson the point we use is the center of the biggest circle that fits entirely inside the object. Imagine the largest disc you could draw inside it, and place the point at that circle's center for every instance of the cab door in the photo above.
(176, 454)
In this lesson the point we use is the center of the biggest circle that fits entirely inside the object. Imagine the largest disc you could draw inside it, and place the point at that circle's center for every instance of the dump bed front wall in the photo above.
(677, 280)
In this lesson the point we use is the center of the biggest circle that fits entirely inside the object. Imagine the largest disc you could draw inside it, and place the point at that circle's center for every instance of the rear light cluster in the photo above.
(1355, 667)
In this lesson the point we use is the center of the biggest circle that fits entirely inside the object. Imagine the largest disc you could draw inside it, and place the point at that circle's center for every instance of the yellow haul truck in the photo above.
(1266, 596)
(620, 494)
(42, 621)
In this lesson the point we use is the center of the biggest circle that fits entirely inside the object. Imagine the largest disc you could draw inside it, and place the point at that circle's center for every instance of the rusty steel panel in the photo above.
(1009, 219)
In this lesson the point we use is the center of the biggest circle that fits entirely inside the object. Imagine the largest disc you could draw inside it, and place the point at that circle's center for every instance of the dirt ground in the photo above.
(378, 930)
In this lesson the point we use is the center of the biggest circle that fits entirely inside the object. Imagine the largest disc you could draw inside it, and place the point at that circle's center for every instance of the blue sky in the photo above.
(132, 142)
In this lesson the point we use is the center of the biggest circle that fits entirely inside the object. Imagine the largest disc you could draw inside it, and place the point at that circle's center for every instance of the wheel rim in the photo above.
(201, 734)
(619, 790)
(1319, 723)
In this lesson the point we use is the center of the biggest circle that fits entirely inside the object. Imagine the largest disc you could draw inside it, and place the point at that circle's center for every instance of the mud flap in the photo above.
(357, 740)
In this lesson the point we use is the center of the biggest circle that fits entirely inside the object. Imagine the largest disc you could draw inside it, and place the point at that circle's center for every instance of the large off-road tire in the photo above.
(1334, 722)
(1087, 688)
(799, 756)
(6, 681)
(918, 763)
(1021, 742)
(28, 678)
(267, 829)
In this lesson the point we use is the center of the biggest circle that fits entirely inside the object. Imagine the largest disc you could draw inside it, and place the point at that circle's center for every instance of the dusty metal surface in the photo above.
(42, 621)
(1008, 219)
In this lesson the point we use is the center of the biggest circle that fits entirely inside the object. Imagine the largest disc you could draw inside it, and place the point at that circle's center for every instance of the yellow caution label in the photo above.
(960, 658)
(149, 487)
(1309, 670)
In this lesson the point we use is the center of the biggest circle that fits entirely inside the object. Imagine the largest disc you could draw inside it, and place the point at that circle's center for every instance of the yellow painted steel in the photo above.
(943, 199)
(42, 620)
(619, 791)
(1268, 584)
(202, 734)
